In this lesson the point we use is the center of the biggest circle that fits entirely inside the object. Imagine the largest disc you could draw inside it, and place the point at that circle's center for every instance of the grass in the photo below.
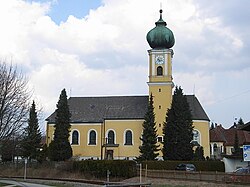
(3, 184)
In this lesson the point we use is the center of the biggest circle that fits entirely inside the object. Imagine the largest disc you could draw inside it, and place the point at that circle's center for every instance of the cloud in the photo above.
(105, 52)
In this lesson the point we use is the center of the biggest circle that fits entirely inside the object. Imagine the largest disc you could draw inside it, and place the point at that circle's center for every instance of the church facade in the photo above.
(111, 127)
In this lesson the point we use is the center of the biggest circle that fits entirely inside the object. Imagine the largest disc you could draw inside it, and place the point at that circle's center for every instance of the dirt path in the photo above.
(158, 182)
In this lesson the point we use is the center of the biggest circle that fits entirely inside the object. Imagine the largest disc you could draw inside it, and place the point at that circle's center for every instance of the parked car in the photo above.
(239, 175)
(185, 167)
(242, 170)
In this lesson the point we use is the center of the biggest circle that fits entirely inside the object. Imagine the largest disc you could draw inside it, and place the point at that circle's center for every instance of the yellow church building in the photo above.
(111, 127)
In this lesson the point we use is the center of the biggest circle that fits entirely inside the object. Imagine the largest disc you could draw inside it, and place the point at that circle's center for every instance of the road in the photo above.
(35, 183)
(24, 184)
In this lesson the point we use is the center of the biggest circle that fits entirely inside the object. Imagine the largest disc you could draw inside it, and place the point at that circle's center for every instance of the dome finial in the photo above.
(160, 37)
(161, 10)
(161, 13)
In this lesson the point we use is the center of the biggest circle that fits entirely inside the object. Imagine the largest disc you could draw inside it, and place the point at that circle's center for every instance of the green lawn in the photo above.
(3, 184)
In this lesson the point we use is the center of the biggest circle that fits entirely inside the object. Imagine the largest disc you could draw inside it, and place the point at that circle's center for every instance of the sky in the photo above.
(99, 48)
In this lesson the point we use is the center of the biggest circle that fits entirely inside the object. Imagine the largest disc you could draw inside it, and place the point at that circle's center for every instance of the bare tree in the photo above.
(14, 101)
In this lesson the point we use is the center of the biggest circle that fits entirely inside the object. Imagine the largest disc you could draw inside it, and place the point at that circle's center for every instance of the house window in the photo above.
(111, 137)
(128, 138)
(92, 137)
(215, 147)
(159, 70)
(75, 137)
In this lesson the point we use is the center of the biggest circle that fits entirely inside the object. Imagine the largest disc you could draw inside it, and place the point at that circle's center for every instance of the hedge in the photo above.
(98, 168)
(171, 165)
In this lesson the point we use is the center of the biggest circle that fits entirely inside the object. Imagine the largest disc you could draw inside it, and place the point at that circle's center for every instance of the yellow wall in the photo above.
(119, 127)
(202, 127)
(83, 150)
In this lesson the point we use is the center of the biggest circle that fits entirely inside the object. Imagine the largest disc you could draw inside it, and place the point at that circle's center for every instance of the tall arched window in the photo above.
(128, 137)
(111, 137)
(196, 136)
(159, 71)
(92, 137)
(75, 138)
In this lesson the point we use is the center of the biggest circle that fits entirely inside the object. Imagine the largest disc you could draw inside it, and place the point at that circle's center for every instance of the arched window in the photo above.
(128, 137)
(111, 137)
(196, 136)
(92, 137)
(75, 137)
(215, 147)
(159, 71)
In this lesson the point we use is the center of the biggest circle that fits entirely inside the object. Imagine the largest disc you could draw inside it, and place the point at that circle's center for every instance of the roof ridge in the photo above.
(104, 96)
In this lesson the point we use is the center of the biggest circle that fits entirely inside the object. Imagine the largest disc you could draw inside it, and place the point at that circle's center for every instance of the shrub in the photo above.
(98, 168)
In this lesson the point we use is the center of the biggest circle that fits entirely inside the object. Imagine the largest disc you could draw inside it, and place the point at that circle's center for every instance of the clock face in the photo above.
(159, 59)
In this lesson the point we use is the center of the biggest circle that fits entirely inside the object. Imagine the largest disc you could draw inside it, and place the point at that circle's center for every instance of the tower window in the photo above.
(159, 106)
(159, 139)
(159, 71)
(159, 125)
(159, 89)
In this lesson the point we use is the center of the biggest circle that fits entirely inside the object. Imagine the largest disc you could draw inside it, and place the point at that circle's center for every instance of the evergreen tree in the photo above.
(43, 154)
(199, 153)
(31, 143)
(149, 149)
(212, 126)
(240, 122)
(236, 144)
(59, 148)
(177, 129)
(7, 149)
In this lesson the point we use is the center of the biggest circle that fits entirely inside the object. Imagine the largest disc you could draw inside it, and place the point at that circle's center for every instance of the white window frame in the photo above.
(88, 138)
(124, 137)
(71, 137)
(107, 132)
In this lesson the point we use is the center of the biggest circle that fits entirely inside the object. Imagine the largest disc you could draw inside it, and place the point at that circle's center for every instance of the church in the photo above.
(110, 127)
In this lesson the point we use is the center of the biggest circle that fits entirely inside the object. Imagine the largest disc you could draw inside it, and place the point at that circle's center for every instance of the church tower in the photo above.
(160, 83)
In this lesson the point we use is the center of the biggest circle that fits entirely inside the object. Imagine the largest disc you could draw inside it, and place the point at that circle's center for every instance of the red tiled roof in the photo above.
(217, 134)
(227, 136)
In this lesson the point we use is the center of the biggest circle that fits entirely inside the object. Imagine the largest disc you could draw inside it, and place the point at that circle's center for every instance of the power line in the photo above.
(236, 95)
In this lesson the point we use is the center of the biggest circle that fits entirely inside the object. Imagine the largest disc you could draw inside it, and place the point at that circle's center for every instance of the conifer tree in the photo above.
(212, 126)
(31, 142)
(59, 148)
(240, 122)
(199, 153)
(149, 149)
(177, 129)
(236, 144)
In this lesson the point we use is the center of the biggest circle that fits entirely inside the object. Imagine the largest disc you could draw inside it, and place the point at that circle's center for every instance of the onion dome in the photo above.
(160, 37)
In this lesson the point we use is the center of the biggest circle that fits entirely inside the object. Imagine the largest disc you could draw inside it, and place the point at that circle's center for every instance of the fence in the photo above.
(215, 177)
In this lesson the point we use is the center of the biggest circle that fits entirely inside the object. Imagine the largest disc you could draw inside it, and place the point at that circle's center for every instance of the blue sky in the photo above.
(61, 9)
(99, 48)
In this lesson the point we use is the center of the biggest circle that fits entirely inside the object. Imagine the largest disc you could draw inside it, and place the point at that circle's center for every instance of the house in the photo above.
(111, 127)
(222, 140)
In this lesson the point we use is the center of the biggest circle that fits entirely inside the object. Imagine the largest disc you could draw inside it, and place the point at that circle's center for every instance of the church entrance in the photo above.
(110, 155)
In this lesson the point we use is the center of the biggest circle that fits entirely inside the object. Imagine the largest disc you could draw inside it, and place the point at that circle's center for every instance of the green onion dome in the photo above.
(160, 37)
